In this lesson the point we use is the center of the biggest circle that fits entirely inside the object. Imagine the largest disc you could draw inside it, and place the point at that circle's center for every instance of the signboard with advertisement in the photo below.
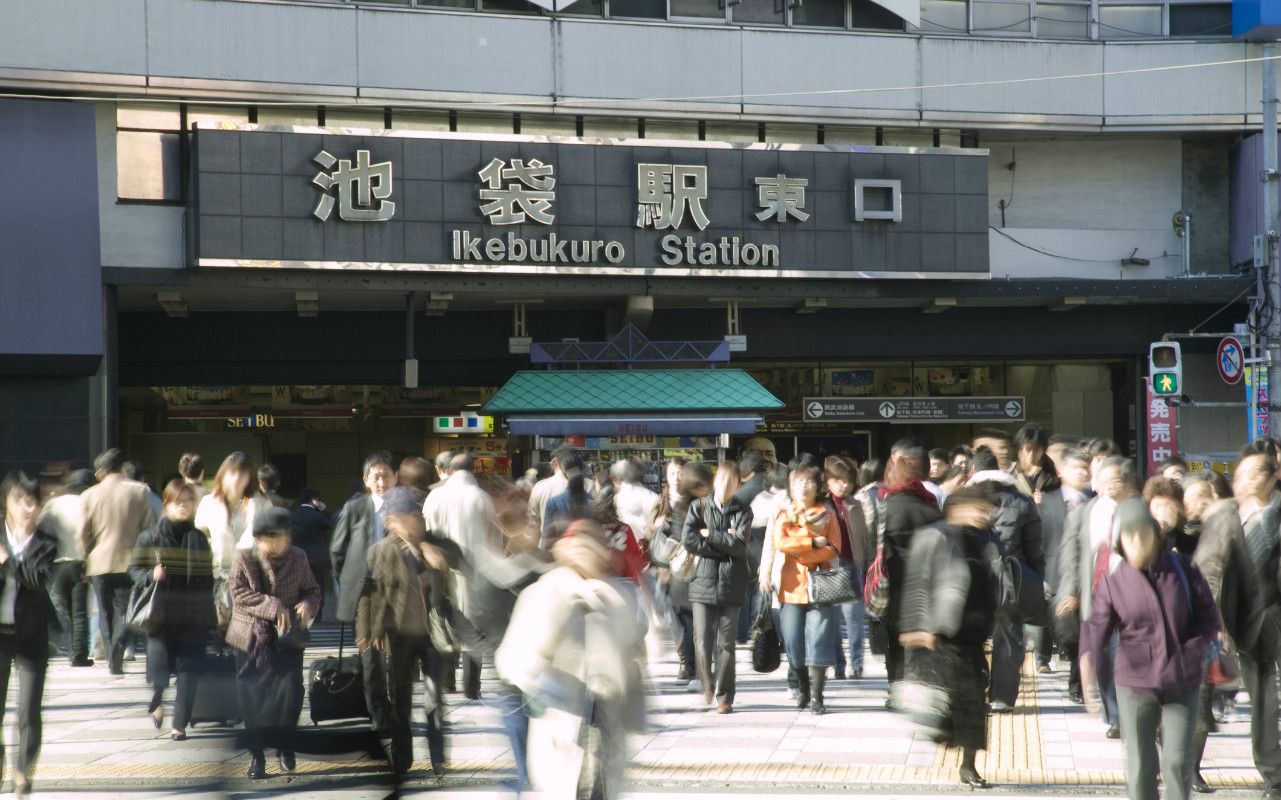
(1162, 428)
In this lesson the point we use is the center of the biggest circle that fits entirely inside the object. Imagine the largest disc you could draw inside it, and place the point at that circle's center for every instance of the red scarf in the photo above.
(913, 487)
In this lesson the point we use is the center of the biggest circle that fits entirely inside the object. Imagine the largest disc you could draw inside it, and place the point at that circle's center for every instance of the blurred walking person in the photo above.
(268, 484)
(904, 505)
(227, 513)
(716, 531)
(948, 611)
(685, 484)
(1235, 548)
(63, 516)
(116, 512)
(1016, 527)
(1161, 609)
(176, 556)
(273, 593)
(408, 573)
(191, 466)
(575, 649)
(632, 500)
(563, 460)
(26, 562)
(1057, 510)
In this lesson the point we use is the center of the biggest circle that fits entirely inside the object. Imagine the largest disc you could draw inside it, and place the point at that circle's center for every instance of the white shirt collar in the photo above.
(16, 548)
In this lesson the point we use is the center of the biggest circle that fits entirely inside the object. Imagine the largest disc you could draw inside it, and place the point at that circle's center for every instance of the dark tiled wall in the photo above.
(43, 420)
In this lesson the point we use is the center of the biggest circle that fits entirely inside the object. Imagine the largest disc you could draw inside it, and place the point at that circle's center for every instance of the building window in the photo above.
(509, 7)
(819, 13)
(1129, 22)
(150, 143)
(872, 16)
(638, 9)
(769, 12)
(703, 9)
(1201, 19)
(1001, 17)
(469, 5)
(946, 16)
(582, 8)
(1062, 21)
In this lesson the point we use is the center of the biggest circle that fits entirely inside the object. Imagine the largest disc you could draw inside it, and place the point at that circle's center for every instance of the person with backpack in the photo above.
(1162, 611)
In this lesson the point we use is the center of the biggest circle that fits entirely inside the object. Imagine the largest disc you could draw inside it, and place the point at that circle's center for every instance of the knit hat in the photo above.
(271, 520)
(402, 500)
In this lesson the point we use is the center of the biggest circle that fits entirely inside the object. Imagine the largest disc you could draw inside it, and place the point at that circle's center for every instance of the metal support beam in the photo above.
(1271, 284)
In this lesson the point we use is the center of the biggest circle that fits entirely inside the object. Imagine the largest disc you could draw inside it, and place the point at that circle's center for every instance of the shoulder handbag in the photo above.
(146, 609)
(1022, 592)
(683, 564)
(831, 587)
(876, 589)
(766, 650)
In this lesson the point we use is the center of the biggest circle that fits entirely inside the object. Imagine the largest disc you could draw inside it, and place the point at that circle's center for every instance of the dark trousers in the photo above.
(271, 701)
(471, 673)
(714, 629)
(32, 663)
(70, 596)
(408, 660)
(1007, 661)
(373, 665)
(1172, 712)
(320, 571)
(1259, 673)
(685, 648)
(1044, 648)
(894, 656)
(112, 593)
(178, 655)
(1205, 724)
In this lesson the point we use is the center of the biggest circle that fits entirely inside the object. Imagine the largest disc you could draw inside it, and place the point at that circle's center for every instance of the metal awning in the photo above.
(664, 402)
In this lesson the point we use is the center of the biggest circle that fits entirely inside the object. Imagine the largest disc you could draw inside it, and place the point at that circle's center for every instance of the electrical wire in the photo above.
(1071, 258)
(704, 98)
(1225, 307)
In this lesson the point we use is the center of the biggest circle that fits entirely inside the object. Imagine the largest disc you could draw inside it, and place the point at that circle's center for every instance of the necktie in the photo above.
(1101, 560)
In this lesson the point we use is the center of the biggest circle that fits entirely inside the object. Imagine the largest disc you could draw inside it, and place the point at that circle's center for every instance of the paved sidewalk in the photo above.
(97, 734)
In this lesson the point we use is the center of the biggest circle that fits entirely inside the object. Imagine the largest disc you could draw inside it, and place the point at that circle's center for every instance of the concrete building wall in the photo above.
(336, 53)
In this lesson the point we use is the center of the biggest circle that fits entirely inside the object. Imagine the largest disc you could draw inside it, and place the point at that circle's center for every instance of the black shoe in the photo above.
(970, 777)
(803, 693)
(1114, 732)
(82, 661)
(1075, 696)
(257, 768)
(818, 677)
(685, 673)
(1200, 786)
(287, 760)
(858, 673)
(450, 683)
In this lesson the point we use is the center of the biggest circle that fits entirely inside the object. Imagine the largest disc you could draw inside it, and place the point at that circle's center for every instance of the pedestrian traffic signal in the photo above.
(1165, 368)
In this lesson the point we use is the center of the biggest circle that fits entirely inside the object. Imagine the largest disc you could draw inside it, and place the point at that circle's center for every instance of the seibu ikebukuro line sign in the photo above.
(310, 198)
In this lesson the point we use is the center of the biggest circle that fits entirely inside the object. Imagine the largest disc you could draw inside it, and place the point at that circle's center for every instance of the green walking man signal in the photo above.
(1165, 368)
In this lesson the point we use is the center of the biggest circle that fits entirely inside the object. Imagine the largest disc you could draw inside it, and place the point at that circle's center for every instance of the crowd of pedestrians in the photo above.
(552, 595)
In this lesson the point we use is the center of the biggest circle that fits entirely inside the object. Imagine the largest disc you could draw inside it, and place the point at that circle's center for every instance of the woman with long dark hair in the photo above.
(176, 556)
(625, 554)
(906, 505)
(692, 481)
(227, 513)
(716, 531)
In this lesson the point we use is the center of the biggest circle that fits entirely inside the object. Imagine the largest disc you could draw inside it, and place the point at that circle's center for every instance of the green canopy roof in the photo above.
(659, 390)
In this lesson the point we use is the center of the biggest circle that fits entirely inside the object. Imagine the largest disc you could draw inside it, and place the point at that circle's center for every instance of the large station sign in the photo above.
(312, 198)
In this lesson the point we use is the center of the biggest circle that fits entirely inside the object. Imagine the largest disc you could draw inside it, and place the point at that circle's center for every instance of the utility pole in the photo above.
(1271, 275)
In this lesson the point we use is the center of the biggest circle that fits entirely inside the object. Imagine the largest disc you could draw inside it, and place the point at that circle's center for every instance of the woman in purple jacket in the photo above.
(1161, 608)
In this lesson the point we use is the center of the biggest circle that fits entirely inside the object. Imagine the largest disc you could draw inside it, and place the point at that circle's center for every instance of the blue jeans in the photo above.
(852, 620)
(511, 708)
(809, 635)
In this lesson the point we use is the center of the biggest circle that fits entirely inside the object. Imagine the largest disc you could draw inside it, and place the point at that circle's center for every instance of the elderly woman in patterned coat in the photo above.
(273, 594)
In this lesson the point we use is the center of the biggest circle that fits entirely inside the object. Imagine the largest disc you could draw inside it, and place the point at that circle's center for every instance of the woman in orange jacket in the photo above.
(806, 535)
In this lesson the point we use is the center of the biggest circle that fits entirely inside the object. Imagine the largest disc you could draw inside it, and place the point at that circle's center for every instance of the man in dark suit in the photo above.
(359, 528)
(311, 527)
(1056, 507)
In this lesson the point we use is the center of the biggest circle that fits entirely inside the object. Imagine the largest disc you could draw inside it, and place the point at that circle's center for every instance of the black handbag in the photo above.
(1022, 593)
(1067, 631)
(146, 609)
(831, 587)
(767, 652)
(296, 638)
(337, 687)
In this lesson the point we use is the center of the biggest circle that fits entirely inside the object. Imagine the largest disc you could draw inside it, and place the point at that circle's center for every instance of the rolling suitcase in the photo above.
(336, 687)
(216, 698)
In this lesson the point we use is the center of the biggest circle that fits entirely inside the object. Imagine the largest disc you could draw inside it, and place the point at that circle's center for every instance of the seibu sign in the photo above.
(311, 198)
